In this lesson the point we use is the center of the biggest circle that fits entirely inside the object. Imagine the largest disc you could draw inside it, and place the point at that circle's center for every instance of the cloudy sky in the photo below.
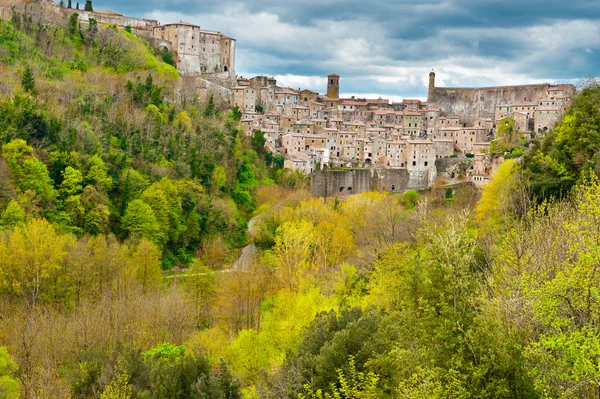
(387, 47)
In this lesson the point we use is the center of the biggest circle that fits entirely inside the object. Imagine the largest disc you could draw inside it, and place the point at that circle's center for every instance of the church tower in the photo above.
(333, 86)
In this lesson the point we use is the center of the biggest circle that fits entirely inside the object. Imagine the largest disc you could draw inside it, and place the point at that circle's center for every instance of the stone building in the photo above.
(198, 51)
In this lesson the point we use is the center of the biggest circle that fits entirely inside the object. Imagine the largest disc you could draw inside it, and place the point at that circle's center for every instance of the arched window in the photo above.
(225, 68)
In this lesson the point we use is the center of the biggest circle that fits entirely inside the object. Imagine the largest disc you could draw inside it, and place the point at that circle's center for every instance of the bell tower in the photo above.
(333, 86)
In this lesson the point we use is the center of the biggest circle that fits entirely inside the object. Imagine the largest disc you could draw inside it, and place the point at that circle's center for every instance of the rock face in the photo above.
(470, 104)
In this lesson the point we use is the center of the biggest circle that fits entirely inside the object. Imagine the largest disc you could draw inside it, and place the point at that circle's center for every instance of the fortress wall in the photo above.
(470, 104)
(336, 183)
(394, 180)
(144, 25)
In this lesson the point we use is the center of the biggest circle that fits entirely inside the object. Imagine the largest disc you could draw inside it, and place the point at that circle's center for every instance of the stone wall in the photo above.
(470, 104)
(143, 26)
(202, 89)
(337, 183)
(393, 180)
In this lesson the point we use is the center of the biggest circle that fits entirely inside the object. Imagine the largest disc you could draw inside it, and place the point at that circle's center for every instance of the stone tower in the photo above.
(333, 86)
(431, 79)
(431, 84)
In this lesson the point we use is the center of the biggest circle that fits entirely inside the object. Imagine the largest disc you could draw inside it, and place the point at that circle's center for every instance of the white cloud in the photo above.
(364, 52)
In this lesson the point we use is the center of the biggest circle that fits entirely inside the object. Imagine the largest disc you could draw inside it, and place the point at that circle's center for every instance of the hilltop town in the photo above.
(314, 131)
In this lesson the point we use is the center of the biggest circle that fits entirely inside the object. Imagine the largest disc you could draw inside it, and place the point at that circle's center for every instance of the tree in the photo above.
(139, 220)
(97, 174)
(28, 80)
(563, 297)
(31, 256)
(72, 182)
(88, 5)
(210, 110)
(69, 4)
(507, 134)
(145, 261)
(119, 387)
(494, 200)
(73, 21)
(351, 385)
(292, 249)
(219, 177)
(77, 6)
(61, 4)
(10, 388)
(29, 173)
(13, 215)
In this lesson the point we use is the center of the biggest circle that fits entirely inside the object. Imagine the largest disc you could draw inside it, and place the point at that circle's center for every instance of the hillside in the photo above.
(125, 202)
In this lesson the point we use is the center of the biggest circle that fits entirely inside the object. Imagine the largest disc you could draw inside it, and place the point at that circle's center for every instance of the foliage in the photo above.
(569, 152)
(28, 80)
(10, 387)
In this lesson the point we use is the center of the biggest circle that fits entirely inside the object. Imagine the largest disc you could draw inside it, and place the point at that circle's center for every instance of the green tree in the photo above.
(72, 182)
(139, 220)
(88, 5)
(352, 384)
(563, 296)
(69, 4)
(219, 177)
(73, 22)
(28, 172)
(211, 109)
(28, 79)
(13, 215)
(10, 388)
(97, 174)
(165, 201)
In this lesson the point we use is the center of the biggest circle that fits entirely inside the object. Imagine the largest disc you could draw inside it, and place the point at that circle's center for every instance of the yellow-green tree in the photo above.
(293, 247)
(492, 206)
(31, 255)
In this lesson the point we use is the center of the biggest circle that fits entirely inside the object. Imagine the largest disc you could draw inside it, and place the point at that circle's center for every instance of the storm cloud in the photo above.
(387, 47)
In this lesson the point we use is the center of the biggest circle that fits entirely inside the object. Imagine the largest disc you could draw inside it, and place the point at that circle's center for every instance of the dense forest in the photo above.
(125, 203)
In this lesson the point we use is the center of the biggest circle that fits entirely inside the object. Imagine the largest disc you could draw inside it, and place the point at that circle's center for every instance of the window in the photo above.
(414, 163)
